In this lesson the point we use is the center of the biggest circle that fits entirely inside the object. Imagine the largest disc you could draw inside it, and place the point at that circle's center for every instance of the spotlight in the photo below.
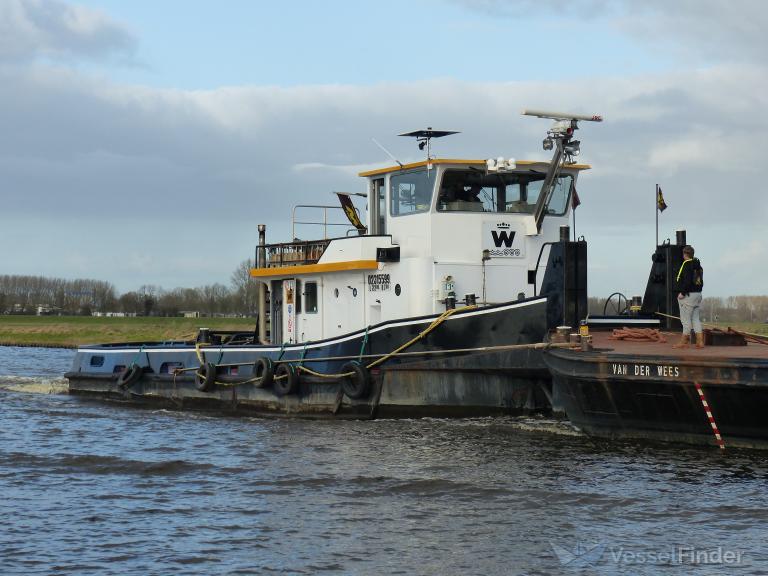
(547, 144)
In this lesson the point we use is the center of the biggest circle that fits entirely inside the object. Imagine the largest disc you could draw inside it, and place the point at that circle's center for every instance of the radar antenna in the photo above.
(559, 137)
(424, 138)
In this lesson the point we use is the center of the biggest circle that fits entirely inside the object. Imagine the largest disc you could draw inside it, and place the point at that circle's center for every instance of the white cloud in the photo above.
(691, 28)
(31, 29)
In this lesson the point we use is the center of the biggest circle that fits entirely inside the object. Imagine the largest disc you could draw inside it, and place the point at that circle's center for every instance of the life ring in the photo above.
(264, 370)
(286, 379)
(358, 384)
(205, 377)
(129, 376)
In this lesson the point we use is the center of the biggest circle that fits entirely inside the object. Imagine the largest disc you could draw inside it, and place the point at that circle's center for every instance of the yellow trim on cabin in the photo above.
(412, 165)
(314, 268)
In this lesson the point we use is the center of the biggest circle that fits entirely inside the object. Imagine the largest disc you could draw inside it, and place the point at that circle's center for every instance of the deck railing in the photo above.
(294, 253)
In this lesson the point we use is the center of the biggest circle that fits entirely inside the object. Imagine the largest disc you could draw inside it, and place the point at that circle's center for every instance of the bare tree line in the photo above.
(713, 308)
(41, 295)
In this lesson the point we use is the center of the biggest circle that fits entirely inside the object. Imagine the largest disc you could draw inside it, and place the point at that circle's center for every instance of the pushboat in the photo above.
(437, 304)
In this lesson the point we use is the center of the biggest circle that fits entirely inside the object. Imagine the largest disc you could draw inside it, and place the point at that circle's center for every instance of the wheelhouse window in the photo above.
(310, 297)
(411, 192)
(475, 191)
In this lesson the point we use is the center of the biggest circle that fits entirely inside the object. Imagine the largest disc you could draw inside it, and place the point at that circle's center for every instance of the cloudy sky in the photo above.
(142, 142)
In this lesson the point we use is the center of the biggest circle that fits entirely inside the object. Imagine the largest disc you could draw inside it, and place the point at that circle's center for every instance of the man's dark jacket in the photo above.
(690, 277)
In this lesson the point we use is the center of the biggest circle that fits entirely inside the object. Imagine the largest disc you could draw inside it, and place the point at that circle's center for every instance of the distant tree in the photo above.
(130, 303)
(245, 289)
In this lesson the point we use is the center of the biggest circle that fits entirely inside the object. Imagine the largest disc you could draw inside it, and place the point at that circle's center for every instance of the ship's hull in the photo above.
(436, 375)
(691, 398)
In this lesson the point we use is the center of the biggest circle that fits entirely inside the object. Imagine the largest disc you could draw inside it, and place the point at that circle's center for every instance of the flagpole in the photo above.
(656, 204)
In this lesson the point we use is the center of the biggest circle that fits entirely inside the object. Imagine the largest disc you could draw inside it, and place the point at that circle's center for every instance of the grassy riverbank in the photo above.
(70, 331)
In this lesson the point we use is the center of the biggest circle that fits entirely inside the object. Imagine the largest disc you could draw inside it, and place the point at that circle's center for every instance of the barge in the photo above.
(622, 385)
(717, 395)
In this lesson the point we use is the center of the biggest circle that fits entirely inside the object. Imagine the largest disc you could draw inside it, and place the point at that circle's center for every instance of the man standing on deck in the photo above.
(690, 281)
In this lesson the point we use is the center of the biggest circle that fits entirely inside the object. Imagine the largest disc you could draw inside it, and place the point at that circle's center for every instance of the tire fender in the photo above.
(358, 384)
(205, 377)
(129, 376)
(286, 379)
(264, 368)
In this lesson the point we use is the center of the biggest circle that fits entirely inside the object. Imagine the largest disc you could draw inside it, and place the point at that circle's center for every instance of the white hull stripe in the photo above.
(596, 321)
(355, 335)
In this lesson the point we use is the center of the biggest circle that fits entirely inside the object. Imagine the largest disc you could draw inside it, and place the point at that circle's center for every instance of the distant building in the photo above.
(114, 314)
(45, 310)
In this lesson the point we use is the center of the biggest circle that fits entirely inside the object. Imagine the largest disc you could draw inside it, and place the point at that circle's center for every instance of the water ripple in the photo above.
(92, 488)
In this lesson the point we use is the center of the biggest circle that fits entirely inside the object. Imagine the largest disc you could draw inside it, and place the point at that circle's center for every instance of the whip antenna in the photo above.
(387, 152)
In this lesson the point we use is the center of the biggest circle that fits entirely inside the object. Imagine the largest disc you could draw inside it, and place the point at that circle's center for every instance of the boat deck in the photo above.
(603, 342)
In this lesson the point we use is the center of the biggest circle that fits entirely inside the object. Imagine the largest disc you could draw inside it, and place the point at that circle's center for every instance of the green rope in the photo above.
(362, 348)
(303, 353)
(141, 349)
(282, 351)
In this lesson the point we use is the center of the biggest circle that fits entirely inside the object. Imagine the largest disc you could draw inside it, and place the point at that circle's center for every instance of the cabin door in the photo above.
(378, 207)
(289, 311)
(276, 311)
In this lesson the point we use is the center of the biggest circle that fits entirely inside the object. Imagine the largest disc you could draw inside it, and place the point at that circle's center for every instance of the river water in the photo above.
(96, 488)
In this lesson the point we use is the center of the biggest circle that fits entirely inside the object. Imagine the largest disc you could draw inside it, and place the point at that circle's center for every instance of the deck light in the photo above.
(500, 164)
(547, 143)
(573, 148)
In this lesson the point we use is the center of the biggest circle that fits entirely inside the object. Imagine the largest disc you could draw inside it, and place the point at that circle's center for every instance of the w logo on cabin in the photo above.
(503, 237)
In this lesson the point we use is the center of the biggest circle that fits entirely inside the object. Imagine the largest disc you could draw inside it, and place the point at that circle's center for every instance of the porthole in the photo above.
(397, 290)
(354, 292)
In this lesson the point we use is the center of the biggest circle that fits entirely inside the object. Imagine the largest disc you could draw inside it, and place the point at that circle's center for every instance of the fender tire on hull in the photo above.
(129, 376)
(358, 384)
(290, 383)
(205, 377)
(264, 368)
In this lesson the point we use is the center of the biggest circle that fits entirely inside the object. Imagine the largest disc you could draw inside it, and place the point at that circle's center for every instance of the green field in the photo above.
(750, 327)
(70, 331)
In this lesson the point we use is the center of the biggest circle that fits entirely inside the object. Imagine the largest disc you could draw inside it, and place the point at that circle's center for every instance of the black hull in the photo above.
(491, 382)
(655, 397)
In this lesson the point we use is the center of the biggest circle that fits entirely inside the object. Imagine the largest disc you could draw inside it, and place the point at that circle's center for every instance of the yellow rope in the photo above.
(435, 323)
(319, 374)
(200, 357)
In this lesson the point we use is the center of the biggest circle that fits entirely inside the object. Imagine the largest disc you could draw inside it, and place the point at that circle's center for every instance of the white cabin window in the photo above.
(411, 192)
(474, 191)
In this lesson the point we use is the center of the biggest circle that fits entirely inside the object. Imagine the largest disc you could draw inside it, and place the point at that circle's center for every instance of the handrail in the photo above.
(324, 223)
